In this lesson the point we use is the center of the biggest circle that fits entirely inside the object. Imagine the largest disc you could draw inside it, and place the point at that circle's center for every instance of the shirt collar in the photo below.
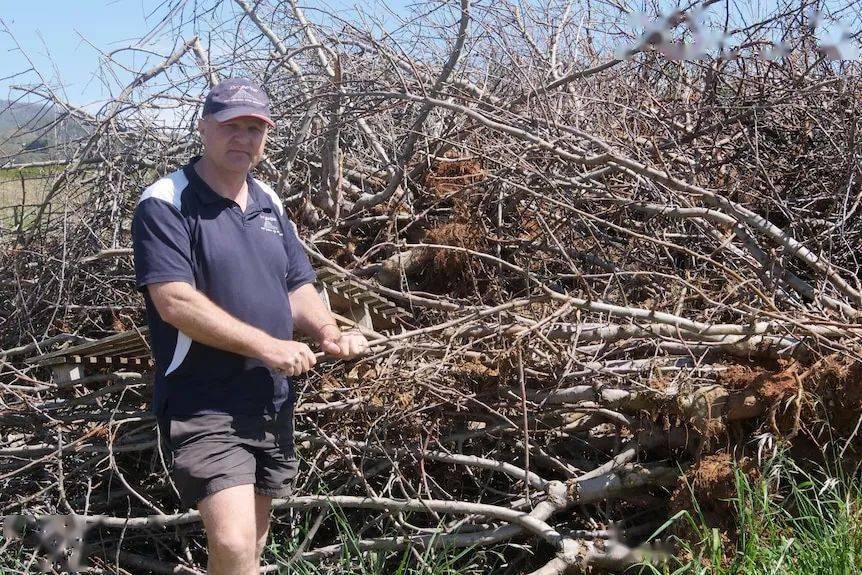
(209, 196)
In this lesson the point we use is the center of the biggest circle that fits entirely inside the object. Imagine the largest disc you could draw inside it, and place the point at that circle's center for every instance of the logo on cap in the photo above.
(246, 94)
(237, 97)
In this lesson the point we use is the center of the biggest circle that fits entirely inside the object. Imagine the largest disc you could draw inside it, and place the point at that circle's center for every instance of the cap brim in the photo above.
(225, 115)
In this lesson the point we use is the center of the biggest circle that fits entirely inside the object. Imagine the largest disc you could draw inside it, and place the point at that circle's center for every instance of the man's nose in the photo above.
(243, 137)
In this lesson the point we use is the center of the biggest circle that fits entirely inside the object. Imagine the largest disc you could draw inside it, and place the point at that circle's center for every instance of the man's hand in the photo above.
(345, 345)
(288, 357)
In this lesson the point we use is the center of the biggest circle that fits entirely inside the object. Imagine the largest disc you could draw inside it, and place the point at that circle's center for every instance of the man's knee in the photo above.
(234, 545)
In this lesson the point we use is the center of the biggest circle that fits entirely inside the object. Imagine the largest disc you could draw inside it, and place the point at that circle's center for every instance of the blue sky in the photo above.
(64, 38)
(62, 29)
(73, 32)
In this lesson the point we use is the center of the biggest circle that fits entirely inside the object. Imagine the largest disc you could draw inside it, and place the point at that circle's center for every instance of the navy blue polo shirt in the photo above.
(246, 263)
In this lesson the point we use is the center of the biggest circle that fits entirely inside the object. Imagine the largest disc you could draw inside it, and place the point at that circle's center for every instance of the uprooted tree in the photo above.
(620, 272)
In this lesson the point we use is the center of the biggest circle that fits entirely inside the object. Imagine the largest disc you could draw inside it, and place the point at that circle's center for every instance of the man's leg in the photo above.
(276, 468)
(262, 506)
(229, 518)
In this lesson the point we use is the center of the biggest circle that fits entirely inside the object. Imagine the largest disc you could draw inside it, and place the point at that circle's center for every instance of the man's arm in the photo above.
(311, 317)
(191, 312)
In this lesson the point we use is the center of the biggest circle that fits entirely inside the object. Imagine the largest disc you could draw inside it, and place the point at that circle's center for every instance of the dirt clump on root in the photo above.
(832, 412)
(817, 409)
(708, 491)
(755, 391)
(767, 384)
(808, 408)
(745, 394)
(442, 270)
(837, 381)
(452, 174)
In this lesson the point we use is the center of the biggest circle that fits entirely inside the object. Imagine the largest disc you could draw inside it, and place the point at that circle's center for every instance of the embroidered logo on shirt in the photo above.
(270, 224)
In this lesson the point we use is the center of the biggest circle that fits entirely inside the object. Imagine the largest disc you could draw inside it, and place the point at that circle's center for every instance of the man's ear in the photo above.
(202, 126)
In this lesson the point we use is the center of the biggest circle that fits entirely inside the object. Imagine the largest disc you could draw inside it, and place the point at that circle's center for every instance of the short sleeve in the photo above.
(161, 244)
(300, 271)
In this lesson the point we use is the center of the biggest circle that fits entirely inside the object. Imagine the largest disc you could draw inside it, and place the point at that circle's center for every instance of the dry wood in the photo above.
(606, 267)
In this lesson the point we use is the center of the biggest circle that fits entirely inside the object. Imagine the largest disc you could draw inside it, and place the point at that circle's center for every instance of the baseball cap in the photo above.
(236, 97)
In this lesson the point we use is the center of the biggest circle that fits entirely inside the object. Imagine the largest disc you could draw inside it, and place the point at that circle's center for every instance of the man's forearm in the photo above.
(310, 314)
(203, 321)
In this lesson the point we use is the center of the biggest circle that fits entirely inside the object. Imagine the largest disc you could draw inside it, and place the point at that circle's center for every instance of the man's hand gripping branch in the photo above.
(191, 312)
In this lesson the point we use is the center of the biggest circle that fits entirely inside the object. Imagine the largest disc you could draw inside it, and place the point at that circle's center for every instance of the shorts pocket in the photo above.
(185, 430)
(175, 433)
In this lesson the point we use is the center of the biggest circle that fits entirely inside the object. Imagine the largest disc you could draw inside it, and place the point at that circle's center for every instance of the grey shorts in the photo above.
(208, 453)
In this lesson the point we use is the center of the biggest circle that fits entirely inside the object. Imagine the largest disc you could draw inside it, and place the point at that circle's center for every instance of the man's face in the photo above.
(236, 145)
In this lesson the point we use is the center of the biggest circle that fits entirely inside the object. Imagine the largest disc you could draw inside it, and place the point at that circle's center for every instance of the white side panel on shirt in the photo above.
(184, 342)
(168, 189)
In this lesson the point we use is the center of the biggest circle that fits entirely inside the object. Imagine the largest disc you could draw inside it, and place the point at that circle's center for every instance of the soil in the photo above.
(451, 271)
(753, 398)
(831, 413)
(837, 380)
(451, 175)
(710, 487)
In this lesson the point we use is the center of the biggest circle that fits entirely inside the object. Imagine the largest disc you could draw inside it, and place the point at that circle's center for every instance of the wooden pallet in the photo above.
(353, 300)
(126, 349)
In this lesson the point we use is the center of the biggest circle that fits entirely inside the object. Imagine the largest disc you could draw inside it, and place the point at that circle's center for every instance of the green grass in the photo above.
(790, 522)
(30, 172)
(14, 559)
(418, 561)
(445, 561)
(11, 193)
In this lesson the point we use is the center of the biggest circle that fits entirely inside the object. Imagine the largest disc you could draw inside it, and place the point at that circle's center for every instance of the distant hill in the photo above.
(30, 132)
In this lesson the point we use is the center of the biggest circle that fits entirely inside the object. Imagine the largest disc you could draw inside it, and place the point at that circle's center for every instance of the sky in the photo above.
(64, 39)
(57, 36)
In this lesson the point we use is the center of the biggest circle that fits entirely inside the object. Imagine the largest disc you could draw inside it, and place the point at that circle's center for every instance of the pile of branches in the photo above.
(621, 270)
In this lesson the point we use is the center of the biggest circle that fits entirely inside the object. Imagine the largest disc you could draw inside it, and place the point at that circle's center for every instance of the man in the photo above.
(225, 280)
